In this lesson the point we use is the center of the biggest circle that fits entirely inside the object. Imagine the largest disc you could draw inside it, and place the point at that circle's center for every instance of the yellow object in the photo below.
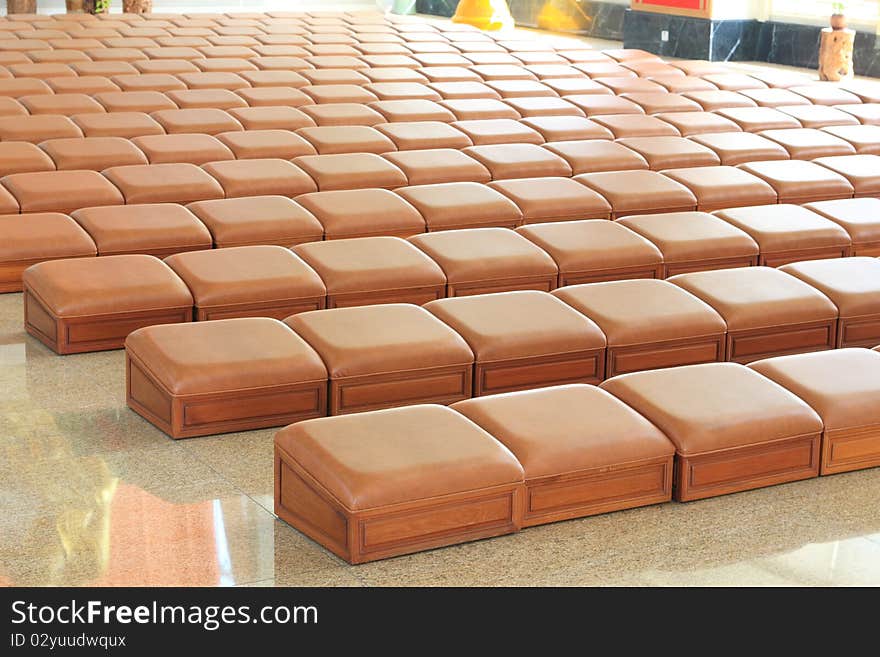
(484, 14)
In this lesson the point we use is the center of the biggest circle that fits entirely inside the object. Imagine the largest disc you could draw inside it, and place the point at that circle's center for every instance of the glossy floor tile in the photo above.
(93, 495)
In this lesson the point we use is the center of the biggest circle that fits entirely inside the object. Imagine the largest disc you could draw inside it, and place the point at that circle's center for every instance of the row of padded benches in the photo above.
(154, 224)
(67, 301)
(461, 151)
(202, 378)
(384, 483)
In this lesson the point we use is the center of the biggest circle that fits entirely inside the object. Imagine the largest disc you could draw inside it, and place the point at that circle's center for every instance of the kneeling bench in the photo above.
(226, 375)
(761, 434)
(380, 484)
(583, 451)
(90, 304)
(387, 355)
(842, 387)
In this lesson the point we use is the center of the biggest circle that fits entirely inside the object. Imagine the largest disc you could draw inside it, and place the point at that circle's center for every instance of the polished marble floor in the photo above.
(91, 494)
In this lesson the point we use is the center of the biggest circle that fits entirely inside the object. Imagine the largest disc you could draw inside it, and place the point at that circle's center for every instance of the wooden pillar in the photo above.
(21, 6)
(835, 54)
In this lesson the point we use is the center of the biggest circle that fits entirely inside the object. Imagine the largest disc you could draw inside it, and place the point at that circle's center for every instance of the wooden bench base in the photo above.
(669, 353)
(73, 335)
(600, 490)
(276, 309)
(539, 371)
(755, 344)
(746, 468)
(601, 275)
(415, 295)
(185, 416)
(688, 267)
(540, 283)
(844, 450)
(858, 331)
(437, 385)
(783, 258)
(361, 536)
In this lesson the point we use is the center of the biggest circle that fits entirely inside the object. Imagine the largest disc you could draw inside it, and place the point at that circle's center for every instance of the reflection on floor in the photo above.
(93, 495)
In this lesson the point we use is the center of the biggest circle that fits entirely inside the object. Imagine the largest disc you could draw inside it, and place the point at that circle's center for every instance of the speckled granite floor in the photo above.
(94, 495)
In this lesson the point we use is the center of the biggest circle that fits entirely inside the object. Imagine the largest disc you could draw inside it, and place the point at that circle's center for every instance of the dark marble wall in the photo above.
(602, 20)
(689, 38)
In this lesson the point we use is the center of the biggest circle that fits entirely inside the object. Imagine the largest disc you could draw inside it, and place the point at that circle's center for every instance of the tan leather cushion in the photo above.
(339, 93)
(271, 118)
(143, 228)
(23, 157)
(11, 107)
(37, 128)
(757, 119)
(519, 324)
(59, 191)
(864, 138)
(92, 153)
(17, 87)
(592, 156)
(263, 96)
(741, 407)
(696, 123)
(39, 71)
(257, 220)
(723, 186)
(213, 80)
(380, 339)
(190, 148)
(630, 192)
(502, 72)
(775, 97)
(347, 139)
(449, 73)
(738, 147)
(43, 236)
(840, 385)
(670, 152)
(714, 100)
(225, 355)
(113, 284)
(826, 94)
(641, 311)
(783, 227)
(519, 89)
(544, 106)
(689, 236)
(117, 124)
(519, 161)
(351, 171)
(245, 274)
(402, 91)
(796, 179)
(64, 104)
(819, 116)
(417, 135)
(440, 165)
(261, 177)
(860, 217)
(625, 125)
(498, 131)
(370, 264)
(451, 205)
(467, 109)
(624, 85)
(679, 84)
(200, 98)
(357, 212)
(326, 76)
(566, 128)
(575, 86)
(655, 102)
(808, 143)
(553, 199)
(342, 114)
(758, 297)
(206, 121)
(734, 81)
(564, 429)
(604, 105)
(592, 245)
(862, 171)
(484, 254)
(370, 460)
(259, 144)
(159, 183)
(853, 284)
(412, 110)
(147, 81)
(135, 101)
